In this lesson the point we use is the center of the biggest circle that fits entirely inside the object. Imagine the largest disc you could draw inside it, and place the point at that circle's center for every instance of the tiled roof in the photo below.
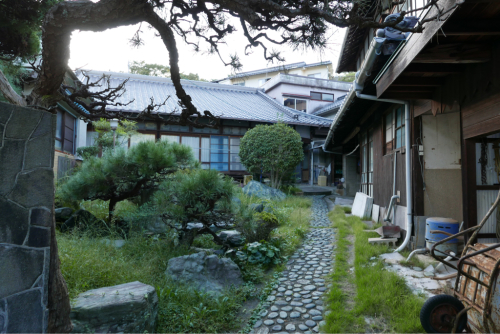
(278, 68)
(226, 101)
(330, 107)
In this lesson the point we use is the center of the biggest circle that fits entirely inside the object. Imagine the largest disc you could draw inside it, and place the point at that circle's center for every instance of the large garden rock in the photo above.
(257, 189)
(257, 207)
(62, 214)
(124, 308)
(233, 238)
(205, 272)
(156, 226)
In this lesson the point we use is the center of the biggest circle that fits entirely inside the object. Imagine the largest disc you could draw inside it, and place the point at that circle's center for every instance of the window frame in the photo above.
(394, 128)
(204, 135)
(322, 99)
(367, 161)
(295, 103)
(64, 132)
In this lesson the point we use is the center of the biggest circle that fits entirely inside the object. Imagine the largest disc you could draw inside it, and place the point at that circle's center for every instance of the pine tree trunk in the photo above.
(58, 297)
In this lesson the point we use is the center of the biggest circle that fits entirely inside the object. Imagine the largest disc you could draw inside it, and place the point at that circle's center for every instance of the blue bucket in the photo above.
(442, 224)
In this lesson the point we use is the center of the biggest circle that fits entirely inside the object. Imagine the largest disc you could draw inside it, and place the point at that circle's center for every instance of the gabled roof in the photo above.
(226, 101)
(279, 68)
(329, 108)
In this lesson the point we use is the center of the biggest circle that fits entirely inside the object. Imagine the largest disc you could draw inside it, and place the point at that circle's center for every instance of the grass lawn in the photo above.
(89, 263)
(378, 292)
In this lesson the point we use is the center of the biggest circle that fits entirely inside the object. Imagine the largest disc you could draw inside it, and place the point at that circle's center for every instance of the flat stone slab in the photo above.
(362, 206)
(125, 308)
(392, 258)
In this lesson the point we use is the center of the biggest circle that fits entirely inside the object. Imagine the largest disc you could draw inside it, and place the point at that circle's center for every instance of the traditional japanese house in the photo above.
(240, 108)
(422, 120)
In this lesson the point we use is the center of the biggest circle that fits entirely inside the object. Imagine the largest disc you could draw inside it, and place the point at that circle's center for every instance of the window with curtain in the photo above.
(171, 138)
(194, 143)
(137, 138)
(297, 104)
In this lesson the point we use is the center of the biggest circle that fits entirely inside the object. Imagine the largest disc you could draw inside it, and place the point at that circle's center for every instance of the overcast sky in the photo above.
(111, 51)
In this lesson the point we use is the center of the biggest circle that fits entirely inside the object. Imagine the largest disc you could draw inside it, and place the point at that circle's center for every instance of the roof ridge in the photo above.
(294, 112)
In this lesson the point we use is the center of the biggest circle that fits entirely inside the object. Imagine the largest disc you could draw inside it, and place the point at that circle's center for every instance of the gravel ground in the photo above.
(296, 306)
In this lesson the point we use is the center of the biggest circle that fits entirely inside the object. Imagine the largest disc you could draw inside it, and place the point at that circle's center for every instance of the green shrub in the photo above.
(87, 151)
(122, 174)
(273, 150)
(261, 253)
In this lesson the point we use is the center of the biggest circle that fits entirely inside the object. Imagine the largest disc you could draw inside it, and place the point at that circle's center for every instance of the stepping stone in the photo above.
(287, 308)
(303, 327)
(294, 315)
(290, 327)
(274, 308)
(268, 322)
(276, 328)
(310, 323)
(257, 324)
(273, 315)
(283, 315)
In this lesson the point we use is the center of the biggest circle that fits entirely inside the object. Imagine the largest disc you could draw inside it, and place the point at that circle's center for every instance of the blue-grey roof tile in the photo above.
(226, 101)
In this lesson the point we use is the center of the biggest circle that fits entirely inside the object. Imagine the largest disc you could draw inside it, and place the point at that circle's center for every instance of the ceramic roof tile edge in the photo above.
(184, 82)
(279, 68)
(293, 112)
(340, 114)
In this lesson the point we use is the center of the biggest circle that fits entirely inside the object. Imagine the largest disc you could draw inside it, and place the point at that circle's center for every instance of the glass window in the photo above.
(219, 152)
(327, 97)
(234, 156)
(315, 96)
(234, 130)
(205, 150)
(174, 128)
(59, 124)
(170, 138)
(290, 103)
(194, 143)
(136, 139)
(150, 126)
(314, 75)
(205, 130)
(301, 105)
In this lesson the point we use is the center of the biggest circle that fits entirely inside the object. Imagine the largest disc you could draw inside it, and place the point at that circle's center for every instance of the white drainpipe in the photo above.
(409, 220)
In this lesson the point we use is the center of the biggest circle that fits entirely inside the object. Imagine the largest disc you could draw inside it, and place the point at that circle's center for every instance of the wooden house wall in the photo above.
(383, 167)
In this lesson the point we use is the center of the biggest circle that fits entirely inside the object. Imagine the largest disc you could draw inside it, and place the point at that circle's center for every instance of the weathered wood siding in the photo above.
(383, 168)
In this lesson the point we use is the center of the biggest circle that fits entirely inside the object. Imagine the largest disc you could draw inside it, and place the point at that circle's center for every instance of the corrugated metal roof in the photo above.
(226, 101)
(329, 107)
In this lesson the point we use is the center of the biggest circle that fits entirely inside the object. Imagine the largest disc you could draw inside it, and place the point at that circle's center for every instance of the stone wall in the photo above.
(26, 204)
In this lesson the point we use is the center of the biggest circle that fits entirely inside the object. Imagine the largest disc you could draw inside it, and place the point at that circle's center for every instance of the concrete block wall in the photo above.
(26, 204)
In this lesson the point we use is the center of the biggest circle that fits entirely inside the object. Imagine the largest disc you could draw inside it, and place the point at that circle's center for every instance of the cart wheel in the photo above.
(438, 312)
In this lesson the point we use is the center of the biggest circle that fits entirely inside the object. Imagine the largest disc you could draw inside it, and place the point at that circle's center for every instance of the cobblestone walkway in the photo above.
(296, 306)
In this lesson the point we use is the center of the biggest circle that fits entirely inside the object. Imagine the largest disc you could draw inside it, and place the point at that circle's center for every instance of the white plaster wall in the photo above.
(253, 81)
(280, 92)
(441, 141)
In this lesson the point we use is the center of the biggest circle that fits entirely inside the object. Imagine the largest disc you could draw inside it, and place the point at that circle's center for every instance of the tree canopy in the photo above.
(121, 174)
(156, 70)
(271, 149)
(204, 25)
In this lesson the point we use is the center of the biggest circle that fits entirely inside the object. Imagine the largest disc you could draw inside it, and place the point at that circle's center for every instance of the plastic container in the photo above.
(447, 225)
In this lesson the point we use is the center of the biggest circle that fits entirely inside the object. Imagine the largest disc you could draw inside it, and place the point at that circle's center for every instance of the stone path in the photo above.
(296, 305)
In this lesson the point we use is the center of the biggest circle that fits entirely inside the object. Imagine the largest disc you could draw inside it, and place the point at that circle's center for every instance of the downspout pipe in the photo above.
(409, 201)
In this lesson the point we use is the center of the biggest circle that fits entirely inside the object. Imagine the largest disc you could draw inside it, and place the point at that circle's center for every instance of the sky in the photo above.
(111, 51)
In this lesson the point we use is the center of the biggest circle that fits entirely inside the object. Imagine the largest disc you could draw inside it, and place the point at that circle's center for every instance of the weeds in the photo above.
(379, 293)
(88, 263)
